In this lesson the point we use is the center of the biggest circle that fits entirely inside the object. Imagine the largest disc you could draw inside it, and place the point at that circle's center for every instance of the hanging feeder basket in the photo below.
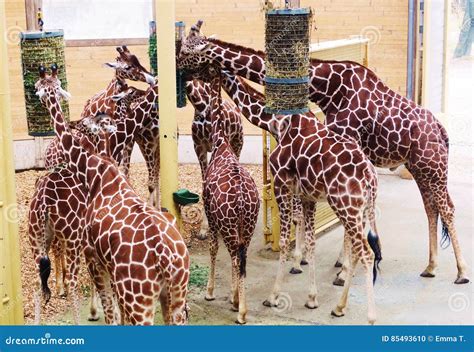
(180, 80)
(41, 48)
(287, 40)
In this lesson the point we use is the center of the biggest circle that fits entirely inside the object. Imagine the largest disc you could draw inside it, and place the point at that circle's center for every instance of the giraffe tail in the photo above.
(45, 271)
(373, 237)
(445, 238)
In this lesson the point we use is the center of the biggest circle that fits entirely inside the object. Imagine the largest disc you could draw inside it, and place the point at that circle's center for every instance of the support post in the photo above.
(166, 55)
(11, 302)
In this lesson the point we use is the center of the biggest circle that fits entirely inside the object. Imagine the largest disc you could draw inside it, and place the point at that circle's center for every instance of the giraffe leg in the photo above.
(367, 260)
(101, 281)
(309, 209)
(165, 300)
(213, 248)
(74, 257)
(340, 258)
(284, 200)
(128, 298)
(58, 267)
(432, 214)
(241, 318)
(179, 308)
(234, 300)
(93, 314)
(346, 251)
(339, 310)
(300, 233)
(126, 157)
(447, 216)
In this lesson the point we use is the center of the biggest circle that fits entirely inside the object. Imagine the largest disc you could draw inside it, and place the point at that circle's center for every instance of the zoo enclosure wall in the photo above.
(241, 22)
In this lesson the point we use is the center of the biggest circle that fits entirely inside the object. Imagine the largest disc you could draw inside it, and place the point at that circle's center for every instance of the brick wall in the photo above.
(241, 22)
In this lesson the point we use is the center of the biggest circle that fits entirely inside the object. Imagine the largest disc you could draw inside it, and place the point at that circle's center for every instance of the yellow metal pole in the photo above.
(11, 302)
(166, 52)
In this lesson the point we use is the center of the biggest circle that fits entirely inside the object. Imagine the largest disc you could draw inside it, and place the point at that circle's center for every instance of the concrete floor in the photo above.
(402, 296)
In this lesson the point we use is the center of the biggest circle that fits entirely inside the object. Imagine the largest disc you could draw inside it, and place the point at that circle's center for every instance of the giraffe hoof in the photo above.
(267, 303)
(337, 313)
(427, 274)
(461, 280)
(303, 262)
(338, 264)
(209, 298)
(338, 281)
(311, 305)
(295, 271)
(93, 318)
(237, 321)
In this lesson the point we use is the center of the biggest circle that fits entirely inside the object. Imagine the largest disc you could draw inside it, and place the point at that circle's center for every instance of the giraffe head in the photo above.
(95, 124)
(127, 66)
(50, 86)
(195, 49)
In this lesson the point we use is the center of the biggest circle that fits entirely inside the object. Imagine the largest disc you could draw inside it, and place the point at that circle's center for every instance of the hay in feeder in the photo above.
(41, 48)
(180, 80)
(287, 39)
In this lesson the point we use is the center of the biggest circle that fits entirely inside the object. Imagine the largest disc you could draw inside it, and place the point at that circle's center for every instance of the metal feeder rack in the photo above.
(41, 48)
(287, 40)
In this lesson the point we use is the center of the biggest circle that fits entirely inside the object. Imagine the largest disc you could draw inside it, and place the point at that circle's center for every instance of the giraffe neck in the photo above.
(90, 169)
(198, 94)
(218, 133)
(250, 102)
(239, 60)
(141, 113)
(250, 63)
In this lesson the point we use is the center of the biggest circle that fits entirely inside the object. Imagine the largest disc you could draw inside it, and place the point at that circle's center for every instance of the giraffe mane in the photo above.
(237, 47)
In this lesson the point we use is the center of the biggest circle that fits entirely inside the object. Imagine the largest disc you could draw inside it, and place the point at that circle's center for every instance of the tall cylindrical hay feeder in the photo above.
(41, 48)
(287, 40)
(180, 80)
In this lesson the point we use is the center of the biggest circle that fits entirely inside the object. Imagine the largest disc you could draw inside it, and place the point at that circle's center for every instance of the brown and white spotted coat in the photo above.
(134, 252)
(313, 163)
(391, 129)
(56, 218)
(231, 203)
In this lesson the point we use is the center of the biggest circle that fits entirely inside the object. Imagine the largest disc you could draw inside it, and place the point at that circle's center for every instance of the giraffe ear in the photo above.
(113, 65)
(40, 93)
(119, 96)
(66, 95)
(202, 47)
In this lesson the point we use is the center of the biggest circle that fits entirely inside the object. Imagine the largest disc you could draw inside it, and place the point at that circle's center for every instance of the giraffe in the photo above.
(56, 221)
(231, 204)
(199, 93)
(85, 129)
(310, 163)
(391, 129)
(126, 66)
(134, 253)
